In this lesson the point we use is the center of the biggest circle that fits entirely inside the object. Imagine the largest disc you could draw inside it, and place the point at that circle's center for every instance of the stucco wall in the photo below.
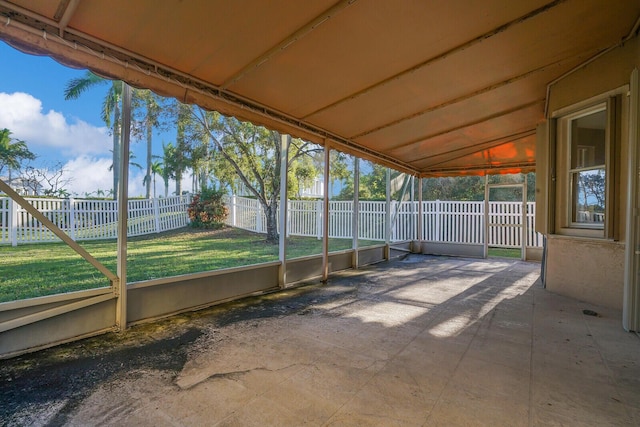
(586, 269)
(608, 72)
(590, 269)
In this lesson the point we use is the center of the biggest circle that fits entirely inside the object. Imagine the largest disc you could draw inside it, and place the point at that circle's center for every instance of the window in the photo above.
(588, 171)
(586, 167)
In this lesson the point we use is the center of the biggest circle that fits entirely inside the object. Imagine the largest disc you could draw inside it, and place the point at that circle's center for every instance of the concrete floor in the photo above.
(421, 341)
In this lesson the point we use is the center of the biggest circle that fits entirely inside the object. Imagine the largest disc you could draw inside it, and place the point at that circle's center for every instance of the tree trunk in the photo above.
(149, 149)
(272, 222)
(178, 183)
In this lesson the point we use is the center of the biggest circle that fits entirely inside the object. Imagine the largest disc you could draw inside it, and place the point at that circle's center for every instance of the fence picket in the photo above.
(443, 221)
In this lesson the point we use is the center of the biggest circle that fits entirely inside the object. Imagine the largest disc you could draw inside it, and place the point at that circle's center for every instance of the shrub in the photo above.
(207, 210)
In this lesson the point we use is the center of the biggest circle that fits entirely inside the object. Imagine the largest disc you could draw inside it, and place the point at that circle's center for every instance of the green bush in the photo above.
(207, 209)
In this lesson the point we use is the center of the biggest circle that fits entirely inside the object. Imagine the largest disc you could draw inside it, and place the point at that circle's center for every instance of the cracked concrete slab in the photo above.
(420, 341)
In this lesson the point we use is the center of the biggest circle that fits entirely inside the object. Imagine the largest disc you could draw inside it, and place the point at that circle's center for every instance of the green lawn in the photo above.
(33, 270)
(505, 253)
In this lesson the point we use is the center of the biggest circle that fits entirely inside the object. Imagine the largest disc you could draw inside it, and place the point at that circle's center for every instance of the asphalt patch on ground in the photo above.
(33, 386)
(32, 382)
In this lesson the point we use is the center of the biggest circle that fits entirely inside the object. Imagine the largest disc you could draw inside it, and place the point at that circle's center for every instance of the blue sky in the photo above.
(70, 133)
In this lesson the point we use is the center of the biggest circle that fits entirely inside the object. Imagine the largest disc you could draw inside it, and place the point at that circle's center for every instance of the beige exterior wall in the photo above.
(587, 268)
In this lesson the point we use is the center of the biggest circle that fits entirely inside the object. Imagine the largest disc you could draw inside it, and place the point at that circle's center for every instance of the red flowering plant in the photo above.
(207, 209)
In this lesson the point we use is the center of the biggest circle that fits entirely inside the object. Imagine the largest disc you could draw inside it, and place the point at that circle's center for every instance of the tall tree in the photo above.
(156, 169)
(180, 159)
(147, 107)
(251, 154)
(111, 112)
(12, 151)
(168, 153)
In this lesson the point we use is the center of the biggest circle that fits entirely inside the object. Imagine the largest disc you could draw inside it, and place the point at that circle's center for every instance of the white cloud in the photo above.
(89, 174)
(22, 114)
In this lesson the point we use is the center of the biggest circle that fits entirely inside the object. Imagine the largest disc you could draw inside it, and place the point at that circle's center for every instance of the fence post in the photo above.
(13, 221)
(438, 221)
(155, 205)
(259, 218)
(288, 218)
(319, 219)
(233, 210)
(72, 218)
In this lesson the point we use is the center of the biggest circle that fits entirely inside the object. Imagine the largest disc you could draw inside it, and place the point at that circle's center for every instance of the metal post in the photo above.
(285, 141)
(486, 216)
(420, 216)
(355, 224)
(325, 215)
(525, 220)
(631, 295)
(387, 219)
(123, 201)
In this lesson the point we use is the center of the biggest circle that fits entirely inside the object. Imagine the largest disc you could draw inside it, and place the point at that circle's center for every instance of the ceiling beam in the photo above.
(63, 14)
(442, 56)
(476, 148)
(467, 124)
(473, 170)
(467, 96)
(288, 41)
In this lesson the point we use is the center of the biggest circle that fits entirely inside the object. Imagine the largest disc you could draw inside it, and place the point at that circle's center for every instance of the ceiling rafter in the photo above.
(64, 13)
(441, 56)
(476, 148)
(470, 95)
(288, 41)
(486, 168)
(467, 124)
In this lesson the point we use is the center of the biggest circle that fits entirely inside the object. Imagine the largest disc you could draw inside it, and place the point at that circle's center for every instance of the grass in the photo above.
(34, 270)
(505, 253)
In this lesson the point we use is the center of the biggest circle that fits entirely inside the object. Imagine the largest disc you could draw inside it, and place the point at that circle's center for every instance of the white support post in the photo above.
(420, 216)
(486, 217)
(325, 215)
(355, 223)
(631, 295)
(525, 219)
(387, 218)
(285, 141)
(123, 202)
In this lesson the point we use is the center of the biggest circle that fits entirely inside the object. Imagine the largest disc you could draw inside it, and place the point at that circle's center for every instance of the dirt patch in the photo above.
(47, 387)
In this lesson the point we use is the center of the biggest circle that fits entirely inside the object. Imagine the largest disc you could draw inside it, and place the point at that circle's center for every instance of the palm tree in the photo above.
(168, 153)
(156, 169)
(12, 151)
(111, 114)
(152, 109)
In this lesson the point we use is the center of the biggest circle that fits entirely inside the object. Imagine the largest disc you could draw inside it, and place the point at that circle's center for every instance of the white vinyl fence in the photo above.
(443, 221)
(89, 219)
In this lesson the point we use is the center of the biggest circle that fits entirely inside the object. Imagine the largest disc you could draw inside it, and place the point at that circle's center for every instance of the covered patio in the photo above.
(421, 340)
(428, 90)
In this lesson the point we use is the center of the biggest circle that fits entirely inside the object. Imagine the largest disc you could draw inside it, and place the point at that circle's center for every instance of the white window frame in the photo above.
(571, 172)
(563, 171)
